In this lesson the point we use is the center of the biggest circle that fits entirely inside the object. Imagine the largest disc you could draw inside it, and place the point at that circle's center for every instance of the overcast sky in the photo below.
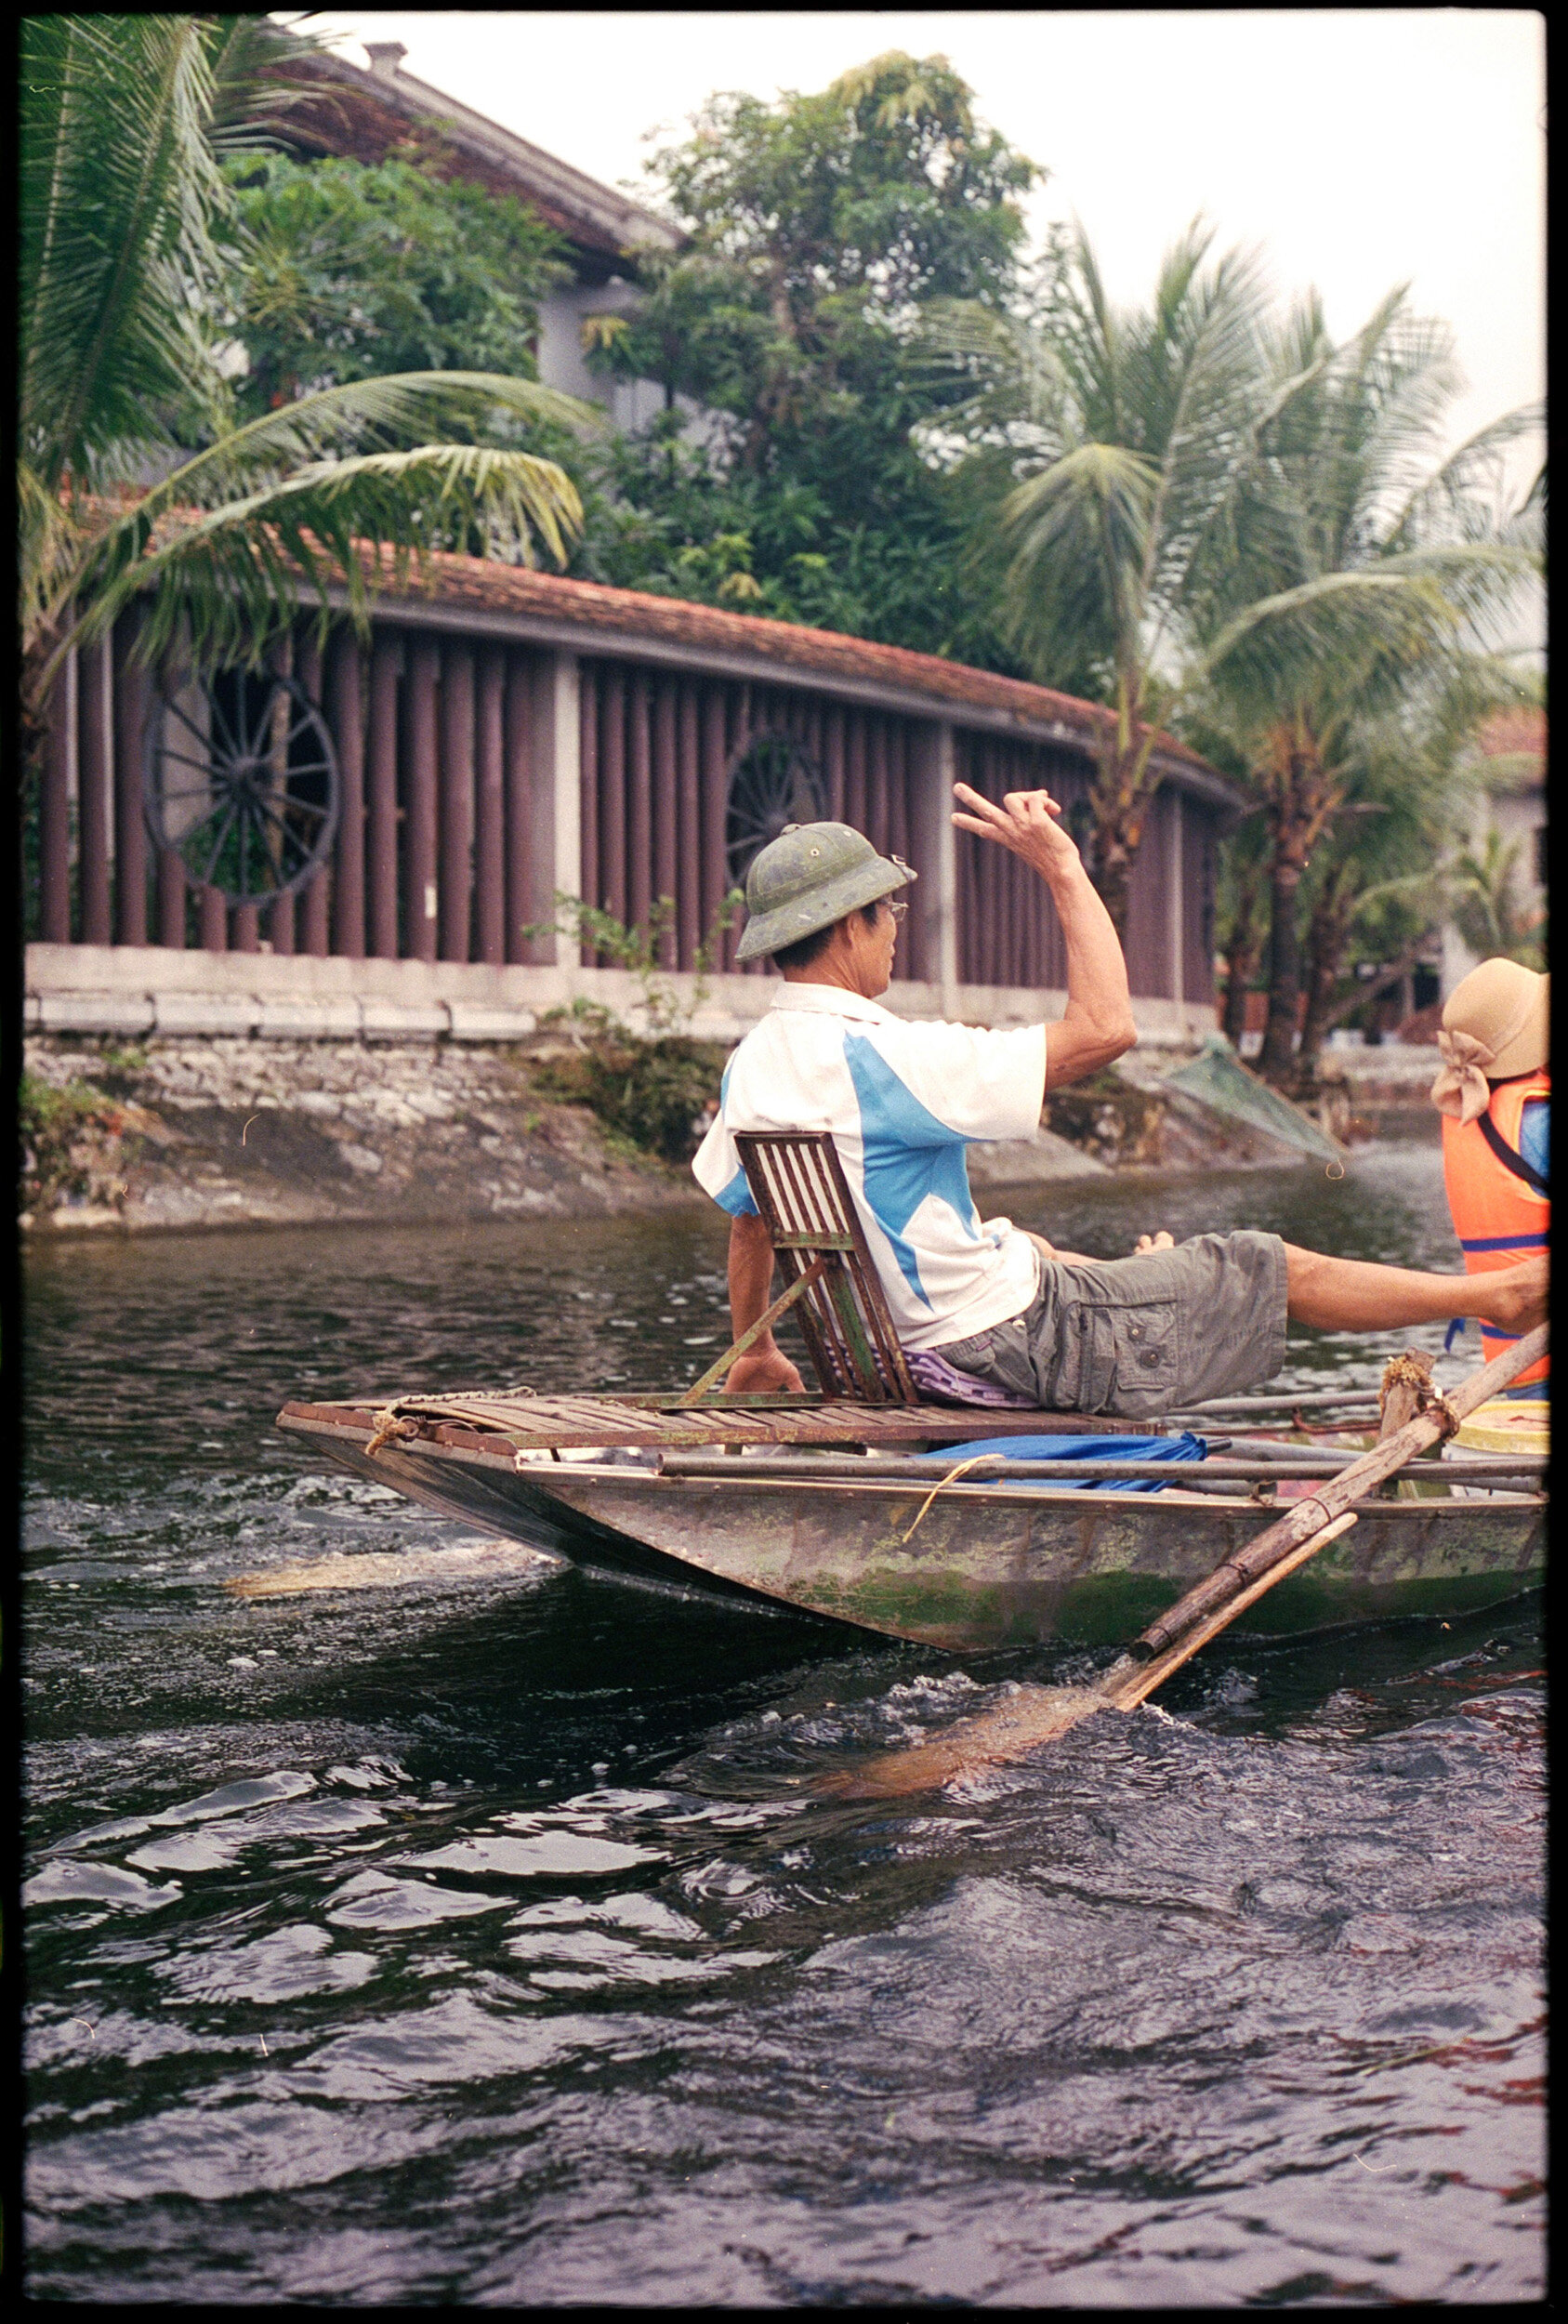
(1358, 148)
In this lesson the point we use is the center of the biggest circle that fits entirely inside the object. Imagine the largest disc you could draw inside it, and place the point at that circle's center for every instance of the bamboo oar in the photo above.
(1037, 1713)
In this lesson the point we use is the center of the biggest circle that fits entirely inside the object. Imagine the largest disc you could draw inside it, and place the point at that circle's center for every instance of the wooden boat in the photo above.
(820, 1505)
(794, 1518)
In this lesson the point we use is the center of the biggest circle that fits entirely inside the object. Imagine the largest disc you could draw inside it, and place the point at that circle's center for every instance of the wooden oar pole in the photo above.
(1241, 1580)
(1037, 1714)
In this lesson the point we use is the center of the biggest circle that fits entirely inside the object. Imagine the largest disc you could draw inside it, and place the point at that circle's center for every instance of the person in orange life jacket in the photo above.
(1495, 1095)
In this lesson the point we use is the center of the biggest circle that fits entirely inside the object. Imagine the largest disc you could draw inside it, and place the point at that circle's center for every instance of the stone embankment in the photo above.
(199, 1133)
(174, 1133)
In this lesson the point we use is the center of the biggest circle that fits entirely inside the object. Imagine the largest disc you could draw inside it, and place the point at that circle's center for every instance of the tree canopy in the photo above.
(344, 270)
(137, 478)
(818, 226)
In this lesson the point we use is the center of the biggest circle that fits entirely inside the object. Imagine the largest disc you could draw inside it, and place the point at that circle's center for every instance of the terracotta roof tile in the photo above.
(1514, 733)
(631, 614)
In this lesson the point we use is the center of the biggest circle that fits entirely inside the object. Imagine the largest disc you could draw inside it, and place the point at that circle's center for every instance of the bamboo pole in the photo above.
(1039, 1714)
(1310, 1519)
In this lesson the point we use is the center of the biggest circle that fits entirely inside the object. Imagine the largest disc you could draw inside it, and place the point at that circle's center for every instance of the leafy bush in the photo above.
(52, 1122)
(653, 1092)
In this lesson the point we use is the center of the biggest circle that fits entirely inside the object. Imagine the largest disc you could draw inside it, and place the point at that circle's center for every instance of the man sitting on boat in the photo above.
(1493, 1091)
(981, 1304)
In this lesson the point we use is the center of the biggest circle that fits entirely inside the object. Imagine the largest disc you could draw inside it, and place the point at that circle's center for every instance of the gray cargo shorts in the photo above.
(1137, 1336)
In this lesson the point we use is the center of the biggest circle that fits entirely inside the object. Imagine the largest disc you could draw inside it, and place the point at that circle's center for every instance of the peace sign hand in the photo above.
(1026, 822)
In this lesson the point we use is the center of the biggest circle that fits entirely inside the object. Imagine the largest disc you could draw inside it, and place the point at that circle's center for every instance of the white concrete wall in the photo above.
(134, 992)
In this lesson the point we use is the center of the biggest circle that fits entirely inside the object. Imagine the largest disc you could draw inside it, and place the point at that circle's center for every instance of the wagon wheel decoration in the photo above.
(774, 783)
(242, 784)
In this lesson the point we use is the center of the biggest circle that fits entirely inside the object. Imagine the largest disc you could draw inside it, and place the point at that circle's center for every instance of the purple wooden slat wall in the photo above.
(419, 781)
(130, 827)
(95, 781)
(314, 903)
(640, 775)
(283, 917)
(437, 750)
(590, 875)
(665, 810)
(688, 821)
(490, 832)
(54, 809)
(456, 818)
(1148, 939)
(712, 878)
(832, 762)
(381, 805)
(613, 793)
(519, 721)
(346, 718)
(1008, 931)
(1197, 910)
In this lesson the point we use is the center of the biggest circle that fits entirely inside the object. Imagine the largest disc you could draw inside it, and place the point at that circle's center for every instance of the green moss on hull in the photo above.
(1108, 1609)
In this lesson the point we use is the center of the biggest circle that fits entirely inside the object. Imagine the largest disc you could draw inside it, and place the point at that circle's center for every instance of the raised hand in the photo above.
(1026, 822)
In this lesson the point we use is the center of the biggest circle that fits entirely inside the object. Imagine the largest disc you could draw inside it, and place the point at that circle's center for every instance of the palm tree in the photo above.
(1485, 908)
(1349, 574)
(135, 482)
(1127, 430)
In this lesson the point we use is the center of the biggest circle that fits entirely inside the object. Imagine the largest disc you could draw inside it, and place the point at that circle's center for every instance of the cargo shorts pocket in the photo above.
(1146, 1366)
(1115, 1359)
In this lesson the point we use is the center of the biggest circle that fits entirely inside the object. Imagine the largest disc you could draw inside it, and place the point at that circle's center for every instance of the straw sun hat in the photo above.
(1495, 1024)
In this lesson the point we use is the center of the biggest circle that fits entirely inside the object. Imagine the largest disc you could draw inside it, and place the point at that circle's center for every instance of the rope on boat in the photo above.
(1413, 1371)
(389, 1422)
(952, 1477)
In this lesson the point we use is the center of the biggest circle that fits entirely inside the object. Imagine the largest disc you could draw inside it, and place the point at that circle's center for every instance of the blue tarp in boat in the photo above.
(1183, 1447)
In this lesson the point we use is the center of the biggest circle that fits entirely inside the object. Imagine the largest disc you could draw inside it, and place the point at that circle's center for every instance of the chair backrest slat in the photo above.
(798, 1186)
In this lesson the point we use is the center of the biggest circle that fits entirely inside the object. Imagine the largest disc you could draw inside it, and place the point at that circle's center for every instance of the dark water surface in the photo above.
(470, 1940)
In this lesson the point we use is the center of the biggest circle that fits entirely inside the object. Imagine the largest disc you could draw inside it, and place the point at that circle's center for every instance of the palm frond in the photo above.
(1466, 489)
(1352, 627)
(119, 190)
(342, 418)
(227, 580)
(1077, 533)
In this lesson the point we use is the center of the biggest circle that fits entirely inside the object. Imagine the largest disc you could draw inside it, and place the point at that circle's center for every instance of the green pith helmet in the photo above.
(808, 878)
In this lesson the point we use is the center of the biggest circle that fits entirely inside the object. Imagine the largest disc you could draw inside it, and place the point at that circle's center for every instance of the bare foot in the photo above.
(1516, 1297)
(1162, 1241)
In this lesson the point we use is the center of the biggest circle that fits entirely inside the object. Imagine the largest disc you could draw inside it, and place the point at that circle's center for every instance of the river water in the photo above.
(468, 1939)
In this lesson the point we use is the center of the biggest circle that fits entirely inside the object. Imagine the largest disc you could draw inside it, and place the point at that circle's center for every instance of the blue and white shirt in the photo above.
(903, 1101)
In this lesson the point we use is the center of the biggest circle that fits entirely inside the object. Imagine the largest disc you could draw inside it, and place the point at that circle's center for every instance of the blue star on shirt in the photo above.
(909, 1155)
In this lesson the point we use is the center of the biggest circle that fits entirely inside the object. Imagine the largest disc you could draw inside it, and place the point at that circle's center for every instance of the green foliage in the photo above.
(1126, 428)
(343, 269)
(123, 201)
(648, 951)
(1485, 905)
(652, 1094)
(650, 1089)
(872, 551)
(51, 1123)
(818, 225)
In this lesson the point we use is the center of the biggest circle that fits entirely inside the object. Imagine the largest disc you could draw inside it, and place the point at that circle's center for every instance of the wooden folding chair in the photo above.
(798, 1183)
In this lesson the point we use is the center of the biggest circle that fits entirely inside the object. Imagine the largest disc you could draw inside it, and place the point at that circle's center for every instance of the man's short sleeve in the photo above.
(717, 1168)
(983, 1085)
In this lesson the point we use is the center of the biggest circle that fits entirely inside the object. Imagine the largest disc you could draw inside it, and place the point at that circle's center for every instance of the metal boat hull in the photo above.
(986, 1564)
